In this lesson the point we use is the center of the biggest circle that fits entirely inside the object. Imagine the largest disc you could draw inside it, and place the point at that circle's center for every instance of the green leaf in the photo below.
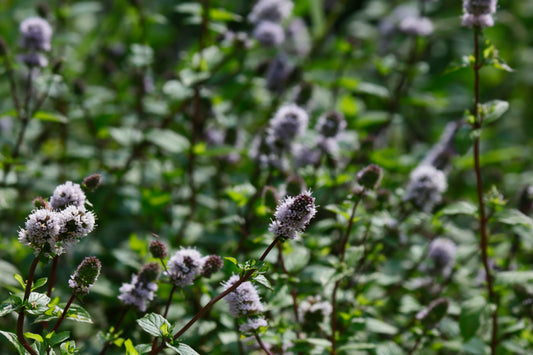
(230, 259)
(263, 281)
(69, 348)
(176, 91)
(377, 326)
(155, 325)
(20, 280)
(143, 348)
(240, 194)
(49, 116)
(465, 62)
(184, 349)
(220, 14)
(168, 140)
(141, 55)
(493, 110)
(13, 340)
(469, 319)
(513, 217)
(41, 282)
(78, 313)
(34, 336)
(350, 348)
(54, 338)
(126, 136)
(37, 303)
(513, 277)
(130, 349)
(461, 207)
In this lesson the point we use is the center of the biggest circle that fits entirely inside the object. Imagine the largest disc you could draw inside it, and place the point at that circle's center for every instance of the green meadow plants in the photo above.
(266, 177)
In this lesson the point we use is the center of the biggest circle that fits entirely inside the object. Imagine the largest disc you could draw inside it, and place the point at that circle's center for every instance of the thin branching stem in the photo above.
(115, 328)
(244, 277)
(261, 344)
(64, 314)
(479, 182)
(344, 242)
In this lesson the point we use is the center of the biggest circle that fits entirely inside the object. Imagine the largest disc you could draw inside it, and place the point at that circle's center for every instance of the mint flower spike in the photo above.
(67, 194)
(184, 266)
(269, 34)
(140, 291)
(85, 276)
(244, 300)
(41, 231)
(36, 34)
(270, 10)
(296, 212)
(426, 186)
(478, 13)
(442, 252)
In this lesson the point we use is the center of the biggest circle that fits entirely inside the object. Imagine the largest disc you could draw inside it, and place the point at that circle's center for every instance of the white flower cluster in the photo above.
(184, 266)
(244, 300)
(137, 293)
(478, 13)
(67, 194)
(54, 231)
(36, 35)
(425, 188)
(292, 215)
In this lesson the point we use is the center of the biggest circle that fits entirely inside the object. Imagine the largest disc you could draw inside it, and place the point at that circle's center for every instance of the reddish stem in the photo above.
(20, 322)
(64, 314)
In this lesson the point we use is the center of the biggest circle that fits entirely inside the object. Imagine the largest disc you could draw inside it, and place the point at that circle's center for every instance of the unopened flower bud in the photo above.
(212, 264)
(158, 249)
(370, 177)
(149, 273)
(40, 202)
(91, 182)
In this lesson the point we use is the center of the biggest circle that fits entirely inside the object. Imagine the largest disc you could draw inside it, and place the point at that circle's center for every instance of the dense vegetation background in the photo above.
(169, 101)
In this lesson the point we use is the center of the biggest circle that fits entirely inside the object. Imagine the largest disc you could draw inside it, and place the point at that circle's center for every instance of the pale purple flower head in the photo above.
(33, 60)
(76, 223)
(478, 13)
(137, 293)
(244, 300)
(282, 231)
(296, 212)
(252, 325)
(36, 34)
(184, 266)
(416, 26)
(67, 194)
(271, 10)
(442, 253)
(289, 122)
(298, 40)
(85, 276)
(269, 33)
(425, 188)
(331, 124)
(41, 231)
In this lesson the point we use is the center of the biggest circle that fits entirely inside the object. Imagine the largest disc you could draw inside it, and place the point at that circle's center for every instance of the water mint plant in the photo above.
(265, 177)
